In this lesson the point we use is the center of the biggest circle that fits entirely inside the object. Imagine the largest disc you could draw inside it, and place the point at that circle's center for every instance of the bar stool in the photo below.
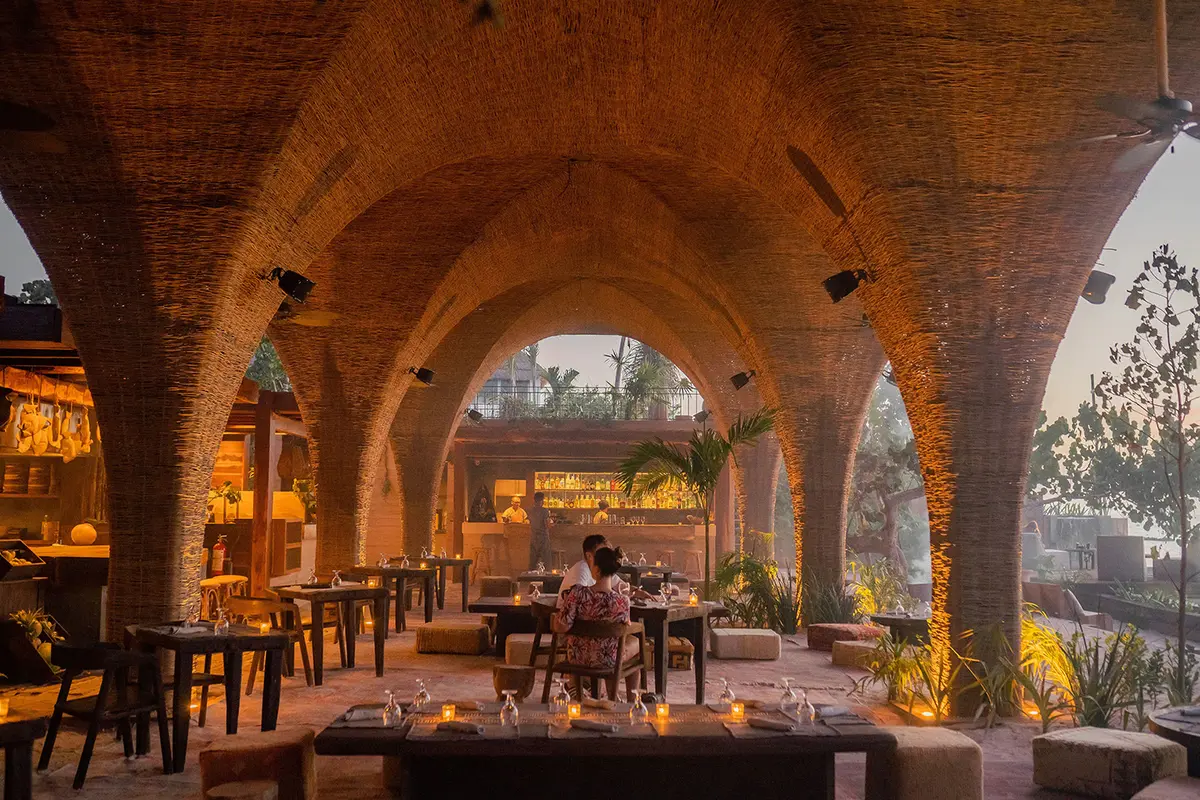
(116, 702)
(216, 590)
(666, 557)
(694, 557)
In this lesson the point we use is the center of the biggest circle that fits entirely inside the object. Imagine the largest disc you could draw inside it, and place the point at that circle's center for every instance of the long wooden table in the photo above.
(694, 754)
(349, 594)
(17, 735)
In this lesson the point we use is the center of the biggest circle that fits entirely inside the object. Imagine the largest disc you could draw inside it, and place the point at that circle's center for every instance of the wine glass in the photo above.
(788, 702)
(541, 567)
(336, 580)
(392, 713)
(808, 712)
(221, 626)
(509, 715)
(638, 714)
(404, 562)
(560, 699)
(443, 555)
(422, 699)
(727, 695)
(642, 560)
(664, 590)
(383, 560)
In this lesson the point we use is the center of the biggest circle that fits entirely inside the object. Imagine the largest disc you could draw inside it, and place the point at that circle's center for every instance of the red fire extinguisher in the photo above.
(218, 557)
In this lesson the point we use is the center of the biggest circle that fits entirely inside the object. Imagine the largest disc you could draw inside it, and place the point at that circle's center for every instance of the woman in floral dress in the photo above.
(597, 603)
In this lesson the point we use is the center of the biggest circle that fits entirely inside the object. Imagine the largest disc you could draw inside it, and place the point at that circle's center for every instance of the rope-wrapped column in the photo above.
(757, 477)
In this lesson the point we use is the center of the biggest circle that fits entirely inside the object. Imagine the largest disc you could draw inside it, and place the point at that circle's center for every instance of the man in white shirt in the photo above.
(514, 513)
(580, 573)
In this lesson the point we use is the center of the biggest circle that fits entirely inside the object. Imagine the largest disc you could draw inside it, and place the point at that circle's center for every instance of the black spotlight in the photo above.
(701, 416)
(1097, 287)
(474, 415)
(293, 284)
(841, 285)
(425, 376)
(742, 378)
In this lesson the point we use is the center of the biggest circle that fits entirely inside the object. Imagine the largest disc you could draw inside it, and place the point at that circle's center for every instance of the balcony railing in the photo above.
(586, 402)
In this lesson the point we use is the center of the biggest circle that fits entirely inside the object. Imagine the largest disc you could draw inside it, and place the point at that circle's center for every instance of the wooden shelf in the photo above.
(16, 496)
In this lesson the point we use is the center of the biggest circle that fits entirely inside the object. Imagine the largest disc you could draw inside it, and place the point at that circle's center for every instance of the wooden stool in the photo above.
(694, 557)
(482, 558)
(666, 557)
(514, 677)
(558, 559)
(117, 701)
(244, 790)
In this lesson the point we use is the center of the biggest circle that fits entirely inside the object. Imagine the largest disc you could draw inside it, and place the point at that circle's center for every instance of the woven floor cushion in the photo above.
(1099, 762)
(823, 635)
(497, 586)
(750, 643)
(1182, 788)
(928, 764)
(517, 647)
(456, 638)
(244, 790)
(283, 756)
(853, 652)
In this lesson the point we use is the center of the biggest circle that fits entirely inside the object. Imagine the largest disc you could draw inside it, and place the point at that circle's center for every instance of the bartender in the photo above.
(601, 516)
(514, 513)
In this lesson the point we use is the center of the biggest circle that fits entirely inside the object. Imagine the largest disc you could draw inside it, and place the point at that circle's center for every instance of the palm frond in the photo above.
(747, 429)
(652, 464)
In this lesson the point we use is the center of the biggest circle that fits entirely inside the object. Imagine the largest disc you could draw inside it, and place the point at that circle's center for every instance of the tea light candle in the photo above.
(458, 555)
(658, 563)
(448, 712)
(662, 711)
(574, 710)
(422, 565)
(373, 583)
(694, 600)
(737, 711)
(369, 624)
(516, 599)
(3, 708)
(264, 627)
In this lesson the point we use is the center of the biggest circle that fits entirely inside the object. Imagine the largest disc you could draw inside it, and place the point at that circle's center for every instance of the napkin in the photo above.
(359, 714)
(458, 726)
(770, 724)
(592, 702)
(593, 725)
(826, 712)
(1193, 711)
(179, 630)
(466, 705)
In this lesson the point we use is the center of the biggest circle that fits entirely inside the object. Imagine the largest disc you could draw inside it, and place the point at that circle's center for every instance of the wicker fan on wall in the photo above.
(1159, 120)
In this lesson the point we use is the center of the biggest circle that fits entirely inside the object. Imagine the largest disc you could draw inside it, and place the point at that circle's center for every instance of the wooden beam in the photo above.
(260, 528)
(25, 382)
(289, 425)
(247, 392)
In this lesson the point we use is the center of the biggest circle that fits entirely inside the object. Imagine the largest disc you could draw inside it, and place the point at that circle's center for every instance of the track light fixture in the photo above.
(475, 415)
(293, 284)
(742, 378)
(425, 376)
(841, 285)
(701, 416)
(1097, 286)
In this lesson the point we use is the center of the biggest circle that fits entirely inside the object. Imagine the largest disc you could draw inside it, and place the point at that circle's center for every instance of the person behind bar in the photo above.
(539, 532)
(514, 513)
(601, 517)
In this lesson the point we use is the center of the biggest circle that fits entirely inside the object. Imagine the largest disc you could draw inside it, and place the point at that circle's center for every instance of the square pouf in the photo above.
(517, 647)
(1171, 789)
(928, 764)
(1099, 762)
(285, 757)
(679, 653)
(822, 636)
(749, 643)
(853, 653)
(497, 586)
(244, 790)
(456, 638)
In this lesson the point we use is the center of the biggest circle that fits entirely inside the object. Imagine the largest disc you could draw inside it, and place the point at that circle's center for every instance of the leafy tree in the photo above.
(1141, 431)
(886, 481)
(560, 383)
(38, 293)
(267, 370)
(654, 464)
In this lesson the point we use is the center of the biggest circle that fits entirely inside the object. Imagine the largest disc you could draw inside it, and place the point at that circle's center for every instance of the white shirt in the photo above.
(514, 514)
(580, 574)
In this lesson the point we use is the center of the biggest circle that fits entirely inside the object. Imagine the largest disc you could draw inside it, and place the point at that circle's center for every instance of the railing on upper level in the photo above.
(586, 402)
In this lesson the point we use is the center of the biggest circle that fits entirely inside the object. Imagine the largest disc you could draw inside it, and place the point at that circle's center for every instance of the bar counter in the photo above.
(568, 537)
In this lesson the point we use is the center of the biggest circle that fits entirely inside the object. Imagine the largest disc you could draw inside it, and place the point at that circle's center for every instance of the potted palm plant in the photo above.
(654, 464)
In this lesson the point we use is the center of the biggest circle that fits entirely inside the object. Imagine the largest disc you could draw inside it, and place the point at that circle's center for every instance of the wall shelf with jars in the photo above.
(587, 489)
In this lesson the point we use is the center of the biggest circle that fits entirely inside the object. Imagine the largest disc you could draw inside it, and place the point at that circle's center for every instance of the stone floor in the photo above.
(1008, 763)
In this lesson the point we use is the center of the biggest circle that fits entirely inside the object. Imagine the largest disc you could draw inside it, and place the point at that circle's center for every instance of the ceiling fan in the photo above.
(1159, 120)
(309, 318)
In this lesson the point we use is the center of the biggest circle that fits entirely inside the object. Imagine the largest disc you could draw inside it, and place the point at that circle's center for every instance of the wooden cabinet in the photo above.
(286, 541)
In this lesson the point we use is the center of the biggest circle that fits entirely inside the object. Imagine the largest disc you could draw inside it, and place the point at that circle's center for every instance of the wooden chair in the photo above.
(117, 702)
(612, 677)
(283, 617)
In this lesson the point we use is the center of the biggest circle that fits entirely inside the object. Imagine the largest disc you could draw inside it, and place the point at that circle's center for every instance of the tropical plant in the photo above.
(1100, 682)
(1048, 699)
(991, 676)
(880, 585)
(1147, 679)
(654, 465)
(560, 382)
(1182, 692)
(824, 601)
(305, 490)
(757, 593)
(227, 493)
(37, 293)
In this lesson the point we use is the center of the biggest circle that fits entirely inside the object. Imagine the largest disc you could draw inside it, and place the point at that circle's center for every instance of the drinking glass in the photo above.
(642, 560)
(560, 699)
(383, 560)
(509, 715)
(727, 695)
(336, 580)
(221, 626)
(638, 714)
(808, 712)
(788, 702)
(541, 567)
(422, 699)
(392, 713)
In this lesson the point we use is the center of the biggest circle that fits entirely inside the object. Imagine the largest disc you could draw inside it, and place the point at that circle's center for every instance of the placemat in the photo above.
(627, 731)
(741, 730)
(430, 733)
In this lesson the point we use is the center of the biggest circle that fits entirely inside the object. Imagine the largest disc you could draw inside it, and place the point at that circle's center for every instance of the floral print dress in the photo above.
(591, 605)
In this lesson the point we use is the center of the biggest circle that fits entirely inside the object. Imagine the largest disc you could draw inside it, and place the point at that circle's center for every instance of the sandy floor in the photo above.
(1008, 764)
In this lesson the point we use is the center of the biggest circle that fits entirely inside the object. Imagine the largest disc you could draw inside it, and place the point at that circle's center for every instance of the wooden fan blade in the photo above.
(1141, 156)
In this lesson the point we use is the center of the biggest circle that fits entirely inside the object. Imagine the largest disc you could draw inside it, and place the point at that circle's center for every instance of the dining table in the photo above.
(635, 572)
(442, 565)
(18, 731)
(692, 751)
(399, 576)
(187, 641)
(349, 594)
(1180, 724)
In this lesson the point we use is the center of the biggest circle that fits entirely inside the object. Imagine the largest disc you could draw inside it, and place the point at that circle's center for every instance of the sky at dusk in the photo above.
(1166, 209)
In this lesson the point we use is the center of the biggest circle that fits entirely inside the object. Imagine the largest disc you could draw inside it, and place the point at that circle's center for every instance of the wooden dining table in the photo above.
(18, 732)
(399, 577)
(201, 639)
(698, 751)
(443, 565)
(348, 594)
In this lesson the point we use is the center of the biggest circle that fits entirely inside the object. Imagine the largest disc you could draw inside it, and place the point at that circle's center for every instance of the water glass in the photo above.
(509, 715)
(392, 713)
(788, 702)
(638, 714)
(422, 699)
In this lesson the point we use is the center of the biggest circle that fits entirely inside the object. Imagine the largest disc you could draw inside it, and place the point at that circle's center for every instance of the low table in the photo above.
(232, 647)
(693, 754)
(914, 629)
(551, 581)
(348, 594)
(1169, 723)
(635, 573)
(17, 734)
(400, 576)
